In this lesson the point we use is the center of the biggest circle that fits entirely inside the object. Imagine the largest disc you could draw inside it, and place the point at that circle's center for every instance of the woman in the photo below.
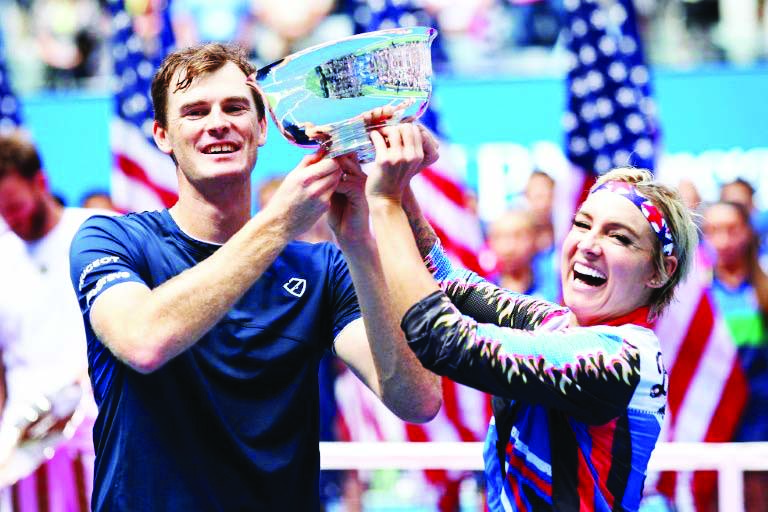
(579, 391)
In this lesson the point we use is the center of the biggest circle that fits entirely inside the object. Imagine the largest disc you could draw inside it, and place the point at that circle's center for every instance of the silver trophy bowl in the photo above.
(334, 93)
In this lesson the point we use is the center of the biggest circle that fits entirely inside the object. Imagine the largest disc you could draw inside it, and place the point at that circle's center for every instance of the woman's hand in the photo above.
(399, 157)
(429, 145)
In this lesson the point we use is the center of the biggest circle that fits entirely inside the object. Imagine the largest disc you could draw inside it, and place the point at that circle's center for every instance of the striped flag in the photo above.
(10, 116)
(610, 121)
(448, 207)
(610, 116)
(143, 178)
(707, 387)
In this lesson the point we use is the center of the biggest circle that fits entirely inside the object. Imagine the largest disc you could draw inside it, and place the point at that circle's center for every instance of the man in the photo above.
(206, 325)
(46, 355)
(539, 196)
(512, 238)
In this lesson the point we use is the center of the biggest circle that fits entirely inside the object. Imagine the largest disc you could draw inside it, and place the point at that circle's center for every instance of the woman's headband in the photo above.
(651, 213)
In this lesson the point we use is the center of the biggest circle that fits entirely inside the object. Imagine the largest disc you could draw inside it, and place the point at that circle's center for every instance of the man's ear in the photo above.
(160, 135)
(40, 181)
(670, 265)
(262, 131)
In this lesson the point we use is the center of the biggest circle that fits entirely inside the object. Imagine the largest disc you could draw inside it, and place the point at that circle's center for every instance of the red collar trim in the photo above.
(637, 317)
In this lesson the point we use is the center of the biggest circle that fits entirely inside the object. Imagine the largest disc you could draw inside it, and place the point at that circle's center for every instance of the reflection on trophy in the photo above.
(334, 93)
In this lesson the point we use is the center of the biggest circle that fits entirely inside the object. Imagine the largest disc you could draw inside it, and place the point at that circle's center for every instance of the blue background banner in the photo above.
(703, 110)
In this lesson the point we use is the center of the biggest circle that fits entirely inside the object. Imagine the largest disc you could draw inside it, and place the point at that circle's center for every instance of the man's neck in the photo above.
(517, 280)
(213, 217)
(53, 212)
(732, 275)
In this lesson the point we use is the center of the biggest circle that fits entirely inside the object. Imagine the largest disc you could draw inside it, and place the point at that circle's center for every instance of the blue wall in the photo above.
(700, 110)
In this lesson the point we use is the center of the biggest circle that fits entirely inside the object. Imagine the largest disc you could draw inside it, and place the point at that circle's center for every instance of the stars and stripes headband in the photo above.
(651, 213)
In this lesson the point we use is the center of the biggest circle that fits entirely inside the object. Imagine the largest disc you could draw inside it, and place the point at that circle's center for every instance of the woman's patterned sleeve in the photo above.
(588, 373)
(481, 299)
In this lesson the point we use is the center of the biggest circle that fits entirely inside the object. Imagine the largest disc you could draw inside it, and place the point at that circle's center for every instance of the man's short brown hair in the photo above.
(18, 155)
(192, 62)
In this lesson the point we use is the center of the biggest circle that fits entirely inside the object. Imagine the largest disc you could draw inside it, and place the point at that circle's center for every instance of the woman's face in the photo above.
(607, 267)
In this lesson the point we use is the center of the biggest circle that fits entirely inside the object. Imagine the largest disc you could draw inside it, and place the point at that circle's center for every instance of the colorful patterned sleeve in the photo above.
(483, 300)
(585, 372)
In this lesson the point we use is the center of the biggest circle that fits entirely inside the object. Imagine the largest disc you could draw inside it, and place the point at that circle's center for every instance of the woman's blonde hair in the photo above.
(679, 222)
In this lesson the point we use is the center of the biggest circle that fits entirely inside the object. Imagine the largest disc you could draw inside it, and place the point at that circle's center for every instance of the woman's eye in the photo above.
(581, 224)
(622, 239)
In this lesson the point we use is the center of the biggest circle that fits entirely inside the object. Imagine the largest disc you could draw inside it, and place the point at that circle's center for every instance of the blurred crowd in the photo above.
(733, 258)
(55, 44)
(60, 44)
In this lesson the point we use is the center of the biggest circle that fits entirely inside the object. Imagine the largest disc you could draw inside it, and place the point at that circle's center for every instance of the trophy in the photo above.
(334, 93)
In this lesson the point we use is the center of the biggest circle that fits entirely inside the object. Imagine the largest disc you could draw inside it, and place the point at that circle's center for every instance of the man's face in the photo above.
(513, 241)
(540, 193)
(22, 205)
(213, 127)
(727, 233)
(737, 193)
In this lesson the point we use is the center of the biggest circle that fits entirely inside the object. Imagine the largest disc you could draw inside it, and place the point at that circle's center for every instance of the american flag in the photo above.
(610, 119)
(447, 204)
(143, 178)
(611, 122)
(10, 116)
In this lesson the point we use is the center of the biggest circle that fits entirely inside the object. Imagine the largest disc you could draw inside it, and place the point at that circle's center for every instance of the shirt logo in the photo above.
(296, 286)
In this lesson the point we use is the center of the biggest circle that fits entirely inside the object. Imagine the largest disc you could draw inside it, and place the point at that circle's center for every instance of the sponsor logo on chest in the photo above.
(296, 286)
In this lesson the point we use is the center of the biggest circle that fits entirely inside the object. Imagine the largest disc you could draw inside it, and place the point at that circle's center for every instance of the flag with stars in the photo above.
(10, 117)
(610, 121)
(447, 205)
(143, 178)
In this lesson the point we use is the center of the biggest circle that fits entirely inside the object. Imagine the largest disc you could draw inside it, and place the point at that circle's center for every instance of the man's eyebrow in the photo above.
(191, 104)
(200, 103)
(237, 99)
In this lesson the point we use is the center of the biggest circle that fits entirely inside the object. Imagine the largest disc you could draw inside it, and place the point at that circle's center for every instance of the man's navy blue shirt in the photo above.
(231, 423)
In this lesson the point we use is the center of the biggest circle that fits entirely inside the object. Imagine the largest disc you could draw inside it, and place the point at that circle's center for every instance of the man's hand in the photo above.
(305, 193)
(348, 215)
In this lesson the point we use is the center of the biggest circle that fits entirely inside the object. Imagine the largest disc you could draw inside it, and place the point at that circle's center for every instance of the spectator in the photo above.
(740, 291)
(690, 194)
(223, 21)
(539, 195)
(67, 32)
(49, 356)
(512, 238)
(98, 199)
(742, 192)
